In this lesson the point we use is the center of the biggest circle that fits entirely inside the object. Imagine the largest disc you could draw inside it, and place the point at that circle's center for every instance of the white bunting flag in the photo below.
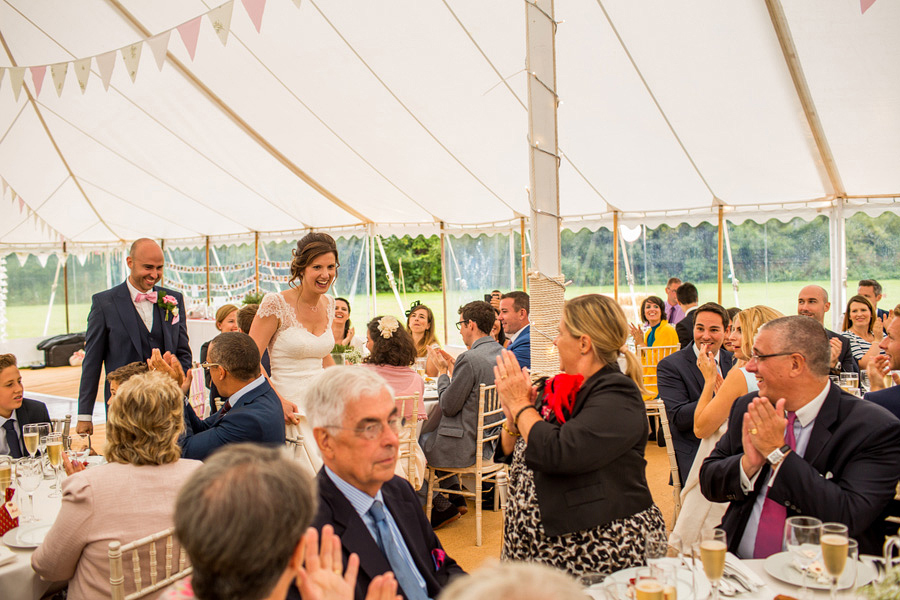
(5, 185)
(58, 73)
(255, 9)
(220, 18)
(14, 195)
(2, 74)
(82, 72)
(132, 57)
(159, 44)
(22, 257)
(16, 78)
(106, 62)
(42, 258)
(297, 3)
(189, 32)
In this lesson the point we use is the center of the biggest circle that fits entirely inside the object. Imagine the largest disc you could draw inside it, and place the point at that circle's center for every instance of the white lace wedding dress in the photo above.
(296, 355)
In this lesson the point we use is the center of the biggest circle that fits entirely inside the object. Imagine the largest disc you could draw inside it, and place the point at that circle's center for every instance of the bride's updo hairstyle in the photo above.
(601, 319)
(310, 247)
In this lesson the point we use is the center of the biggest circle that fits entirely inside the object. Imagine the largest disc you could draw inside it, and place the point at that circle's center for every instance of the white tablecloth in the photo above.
(17, 580)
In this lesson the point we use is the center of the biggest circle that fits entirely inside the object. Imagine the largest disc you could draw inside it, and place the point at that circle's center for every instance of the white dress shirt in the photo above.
(144, 308)
(4, 447)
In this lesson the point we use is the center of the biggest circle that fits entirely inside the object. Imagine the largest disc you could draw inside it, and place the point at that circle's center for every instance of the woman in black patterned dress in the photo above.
(578, 495)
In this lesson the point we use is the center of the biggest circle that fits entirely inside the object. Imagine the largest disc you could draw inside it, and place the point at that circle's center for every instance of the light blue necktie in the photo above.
(402, 571)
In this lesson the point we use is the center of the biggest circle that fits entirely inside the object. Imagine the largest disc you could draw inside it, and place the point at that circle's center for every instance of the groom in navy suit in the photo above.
(514, 308)
(127, 322)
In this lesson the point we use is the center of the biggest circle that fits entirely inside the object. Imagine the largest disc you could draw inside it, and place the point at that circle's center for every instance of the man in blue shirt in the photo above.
(376, 514)
(882, 365)
(514, 317)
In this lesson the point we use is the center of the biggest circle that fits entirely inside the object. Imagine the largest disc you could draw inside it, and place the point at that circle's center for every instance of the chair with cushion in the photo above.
(146, 548)
(484, 470)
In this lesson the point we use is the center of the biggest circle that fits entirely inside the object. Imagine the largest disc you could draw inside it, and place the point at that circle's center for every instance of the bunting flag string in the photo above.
(212, 269)
(240, 285)
(274, 264)
(219, 19)
(268, 278)
(45, 228)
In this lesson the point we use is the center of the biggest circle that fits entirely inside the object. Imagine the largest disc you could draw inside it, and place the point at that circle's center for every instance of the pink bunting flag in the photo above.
(37, 77)
(21, 205)
(865, 5)
(189, 32)
(254, 9)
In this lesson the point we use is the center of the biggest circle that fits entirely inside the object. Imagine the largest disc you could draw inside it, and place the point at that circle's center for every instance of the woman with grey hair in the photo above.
(514, 581)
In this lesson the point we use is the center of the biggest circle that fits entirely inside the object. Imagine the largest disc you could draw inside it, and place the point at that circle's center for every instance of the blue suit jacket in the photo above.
(113, 339)
(256, 417)
(680, 384)
(888, 398)
(521, 347)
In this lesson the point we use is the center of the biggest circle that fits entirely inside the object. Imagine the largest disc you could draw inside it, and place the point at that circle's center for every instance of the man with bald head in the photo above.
(813, 302)
(128, 322)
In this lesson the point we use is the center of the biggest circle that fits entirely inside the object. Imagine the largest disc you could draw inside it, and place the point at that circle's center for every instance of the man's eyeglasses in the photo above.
(460, 324)
(373, 430)
(762, 357)
(207, 365)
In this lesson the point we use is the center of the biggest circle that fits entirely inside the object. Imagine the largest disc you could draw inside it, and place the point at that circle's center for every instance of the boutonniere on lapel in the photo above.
(170, 305)
(438, 556)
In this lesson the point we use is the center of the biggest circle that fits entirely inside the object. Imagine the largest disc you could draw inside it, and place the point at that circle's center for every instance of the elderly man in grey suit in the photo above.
(452, 444)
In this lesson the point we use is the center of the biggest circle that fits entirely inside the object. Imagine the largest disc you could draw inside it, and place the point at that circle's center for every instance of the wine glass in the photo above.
(54, 453)
(28, 477)
(682, 549)
(713, 547)
(655, 550)
(801, 538)
(647, 585)
(44, 429)
(30, 438)
(834, 542)
(80, 446)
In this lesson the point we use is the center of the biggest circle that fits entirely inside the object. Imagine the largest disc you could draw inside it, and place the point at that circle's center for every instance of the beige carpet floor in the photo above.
(457, 537)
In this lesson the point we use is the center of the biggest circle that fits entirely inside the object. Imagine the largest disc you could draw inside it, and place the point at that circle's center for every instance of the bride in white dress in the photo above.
(295, 327)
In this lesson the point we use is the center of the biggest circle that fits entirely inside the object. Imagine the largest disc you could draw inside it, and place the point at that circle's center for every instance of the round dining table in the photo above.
(18, 581)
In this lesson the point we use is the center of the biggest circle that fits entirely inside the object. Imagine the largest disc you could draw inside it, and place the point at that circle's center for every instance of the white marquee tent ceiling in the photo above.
(406, 114)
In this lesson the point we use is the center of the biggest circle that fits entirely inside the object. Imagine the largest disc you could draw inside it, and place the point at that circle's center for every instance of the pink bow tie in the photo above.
(149, 297)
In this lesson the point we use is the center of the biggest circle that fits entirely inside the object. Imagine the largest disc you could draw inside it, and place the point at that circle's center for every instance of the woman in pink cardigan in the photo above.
(392, 355)
(131, 497)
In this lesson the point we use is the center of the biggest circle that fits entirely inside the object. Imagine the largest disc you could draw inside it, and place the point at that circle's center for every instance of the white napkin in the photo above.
(6, 556)
(734, 562)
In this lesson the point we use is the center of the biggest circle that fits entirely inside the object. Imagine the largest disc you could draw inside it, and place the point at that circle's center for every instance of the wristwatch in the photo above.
(777, 455)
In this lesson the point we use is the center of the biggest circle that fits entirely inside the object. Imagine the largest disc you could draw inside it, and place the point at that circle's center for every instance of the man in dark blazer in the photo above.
(376, 514)
(16, 411)
(514, 308)
(813, 302)
(687, 297)
(882, 365)
(834, 457)
(127, 322)
(253, 411)
(680, 381)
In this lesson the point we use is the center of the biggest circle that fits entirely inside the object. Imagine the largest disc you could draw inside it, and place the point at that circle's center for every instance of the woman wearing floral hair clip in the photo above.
(578, 495)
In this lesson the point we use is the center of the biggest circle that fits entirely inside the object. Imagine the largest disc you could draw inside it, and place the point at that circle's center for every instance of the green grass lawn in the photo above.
(28, 321)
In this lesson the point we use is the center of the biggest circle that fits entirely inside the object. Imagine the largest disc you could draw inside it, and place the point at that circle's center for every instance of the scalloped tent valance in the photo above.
(361, 117)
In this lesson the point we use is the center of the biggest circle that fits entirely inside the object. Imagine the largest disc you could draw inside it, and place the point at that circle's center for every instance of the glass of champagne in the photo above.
(647, 585)
(850, 382)
(5, 475)
(28, 477)
(834, 541)
(44, 429)
(801, 538)
(713, 547)
(54, 453)
(420, 366)
(30, 439)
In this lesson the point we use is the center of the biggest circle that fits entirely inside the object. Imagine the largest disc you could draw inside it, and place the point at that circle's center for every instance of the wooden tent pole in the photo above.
(444, 284)
(616, 255)
(208, 286)
(256, 260)
(524, 255)
(721, 244)
(66, 283)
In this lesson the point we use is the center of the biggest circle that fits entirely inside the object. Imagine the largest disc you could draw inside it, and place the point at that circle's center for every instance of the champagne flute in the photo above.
(647, 586)
(30, 438)
(5, 475)
(54, 453)
(713, 547)
(44, 429)
(655, 550)
(834, 541)
(28, 477)
(801, 538)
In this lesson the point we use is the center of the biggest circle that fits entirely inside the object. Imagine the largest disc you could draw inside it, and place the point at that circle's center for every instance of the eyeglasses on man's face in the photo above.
(762, 357)
(374, 429)
(460, 324)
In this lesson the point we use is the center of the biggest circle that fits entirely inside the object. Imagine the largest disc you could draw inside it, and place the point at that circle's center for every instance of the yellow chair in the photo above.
(650, 357)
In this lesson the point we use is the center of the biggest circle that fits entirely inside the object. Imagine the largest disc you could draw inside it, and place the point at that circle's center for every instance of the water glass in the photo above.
(655, 550)
(28, 478)
(801, 538)
(79, 445)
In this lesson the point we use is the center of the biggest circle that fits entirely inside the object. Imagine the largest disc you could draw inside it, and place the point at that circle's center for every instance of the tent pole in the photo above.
(719, 274)
(838, 260)
(734, 279)
(374, 302)
(444, 283)
(162, 278)
(256, 261)
(390, 273)
(52, 294)
(616, 255)
(66, 284)
(208, 287)
(629, 278)
(512, 259)
(524, 252)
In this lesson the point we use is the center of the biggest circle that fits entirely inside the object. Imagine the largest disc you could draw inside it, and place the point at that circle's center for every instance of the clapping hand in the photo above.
(442, 360)
(513, 385)
(836, 347)
(762, 432)
(166, 364)
(878, 369)
(637, 334)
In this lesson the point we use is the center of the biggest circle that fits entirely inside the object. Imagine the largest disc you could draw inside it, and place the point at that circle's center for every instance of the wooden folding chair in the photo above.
(656, 408)
(145, 546)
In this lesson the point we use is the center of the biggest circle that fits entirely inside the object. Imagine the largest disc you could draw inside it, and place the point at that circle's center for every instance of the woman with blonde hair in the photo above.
(420, 325)
(129, 498)
(711, 417)
(226, 320)
(578, 495)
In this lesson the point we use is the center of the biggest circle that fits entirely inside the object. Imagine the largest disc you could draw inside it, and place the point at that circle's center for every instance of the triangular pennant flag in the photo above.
(220, 18)
(81, 257)
(297, 3)
(2, 74)
(5, 185)
(21, 205)
(82, 72)
(22, 257)
(58, 73)
(13, 195)
(254, 9)
(42, 258)
(37, 77)
(16, 78)
(160, 45)
(132, 56)
(189, 32)
(106, 62)
(865, 5)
